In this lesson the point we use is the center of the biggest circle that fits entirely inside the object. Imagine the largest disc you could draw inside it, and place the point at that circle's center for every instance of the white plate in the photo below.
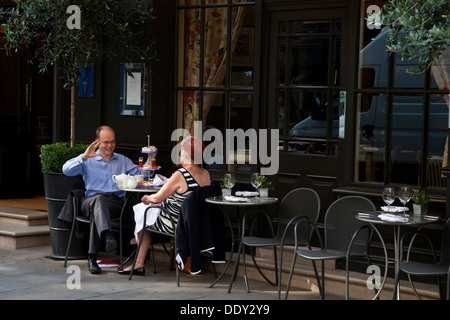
(394, 209)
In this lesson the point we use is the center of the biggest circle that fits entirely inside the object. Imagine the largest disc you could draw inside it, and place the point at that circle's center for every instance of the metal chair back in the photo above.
(341, 224)
(298, 202)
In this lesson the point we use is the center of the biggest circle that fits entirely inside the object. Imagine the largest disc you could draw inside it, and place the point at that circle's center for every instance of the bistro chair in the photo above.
(301, 203)
(162, 233)
(439, 268)
(198, 195)
(79, 220)
(76, 196)
(344, 237)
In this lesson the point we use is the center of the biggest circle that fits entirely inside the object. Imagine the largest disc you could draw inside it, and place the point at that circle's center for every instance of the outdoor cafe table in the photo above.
(250, 202)
(135, 193)
(409, 220)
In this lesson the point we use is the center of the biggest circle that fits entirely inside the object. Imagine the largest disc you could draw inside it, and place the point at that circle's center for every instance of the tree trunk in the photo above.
(72, 117)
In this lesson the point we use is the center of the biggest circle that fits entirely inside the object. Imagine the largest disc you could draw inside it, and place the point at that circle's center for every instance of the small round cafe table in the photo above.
(240, 203)
(396, 221)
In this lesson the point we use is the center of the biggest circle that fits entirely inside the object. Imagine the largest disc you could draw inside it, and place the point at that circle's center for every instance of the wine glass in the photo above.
(255, 181)
(229, 180)
(389, 196)
(404, 195)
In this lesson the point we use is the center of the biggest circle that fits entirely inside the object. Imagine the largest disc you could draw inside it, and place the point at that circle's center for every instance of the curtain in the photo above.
(215, 56)
(441, 73)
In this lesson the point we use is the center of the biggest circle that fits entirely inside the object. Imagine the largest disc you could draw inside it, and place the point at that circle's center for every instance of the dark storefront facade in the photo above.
(293, 67)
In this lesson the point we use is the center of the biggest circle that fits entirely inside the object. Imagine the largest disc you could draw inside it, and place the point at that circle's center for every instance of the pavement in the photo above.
(32, 274)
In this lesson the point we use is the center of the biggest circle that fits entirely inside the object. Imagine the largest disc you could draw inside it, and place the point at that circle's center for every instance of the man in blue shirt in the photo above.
(103, 200)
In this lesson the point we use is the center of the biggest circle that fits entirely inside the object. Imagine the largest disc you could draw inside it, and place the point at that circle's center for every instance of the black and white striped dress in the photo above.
(173, 204)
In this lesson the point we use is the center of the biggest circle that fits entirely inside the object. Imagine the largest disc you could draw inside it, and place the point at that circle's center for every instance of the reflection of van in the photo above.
(407, 116)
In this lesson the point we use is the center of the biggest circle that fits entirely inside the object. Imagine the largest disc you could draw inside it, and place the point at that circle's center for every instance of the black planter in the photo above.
(57, 188)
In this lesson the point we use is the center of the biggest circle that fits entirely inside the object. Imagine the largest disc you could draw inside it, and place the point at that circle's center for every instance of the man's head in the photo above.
(107, 139)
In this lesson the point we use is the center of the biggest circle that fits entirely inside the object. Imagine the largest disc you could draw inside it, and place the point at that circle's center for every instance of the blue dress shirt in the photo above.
(97, 173)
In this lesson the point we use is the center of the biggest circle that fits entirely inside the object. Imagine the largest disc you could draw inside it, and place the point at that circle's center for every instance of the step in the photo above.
(17, 236)
(26, 217)
(304, 278)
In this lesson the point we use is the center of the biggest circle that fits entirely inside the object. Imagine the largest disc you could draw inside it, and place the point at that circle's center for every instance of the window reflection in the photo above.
(411, 150)
(307, 105)
(370, 137)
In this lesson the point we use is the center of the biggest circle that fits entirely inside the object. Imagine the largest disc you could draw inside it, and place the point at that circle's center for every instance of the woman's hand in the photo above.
(145, 200)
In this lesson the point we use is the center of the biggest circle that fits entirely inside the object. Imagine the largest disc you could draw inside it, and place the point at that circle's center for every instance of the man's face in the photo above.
(107, 142)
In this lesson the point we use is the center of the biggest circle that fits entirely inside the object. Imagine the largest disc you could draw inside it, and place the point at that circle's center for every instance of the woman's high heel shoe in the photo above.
(136, 272)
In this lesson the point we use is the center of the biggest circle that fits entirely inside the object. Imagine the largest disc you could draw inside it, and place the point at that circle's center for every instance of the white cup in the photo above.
(139, 177)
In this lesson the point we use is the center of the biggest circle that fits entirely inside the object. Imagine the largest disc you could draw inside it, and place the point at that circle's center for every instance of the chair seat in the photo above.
(424, 269)
(260, 242)
(320, 255)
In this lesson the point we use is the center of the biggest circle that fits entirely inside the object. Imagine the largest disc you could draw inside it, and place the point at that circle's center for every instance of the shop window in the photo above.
(402, 120)
(309, 53)
(215, 70)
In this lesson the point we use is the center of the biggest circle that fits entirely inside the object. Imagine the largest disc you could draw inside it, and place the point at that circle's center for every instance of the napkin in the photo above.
(159, 180)
(392, 218)
(394, 209)
(139, 210)
(246, 193)
(234, 198)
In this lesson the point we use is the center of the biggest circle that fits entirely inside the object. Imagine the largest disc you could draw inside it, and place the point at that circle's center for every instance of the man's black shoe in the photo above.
(110, 242)
(93, 265)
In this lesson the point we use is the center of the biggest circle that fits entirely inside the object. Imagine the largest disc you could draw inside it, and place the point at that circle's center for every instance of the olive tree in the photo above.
(73, 34)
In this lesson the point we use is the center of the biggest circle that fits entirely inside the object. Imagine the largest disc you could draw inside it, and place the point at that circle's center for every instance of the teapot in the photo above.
(120, 180)
(130, 182)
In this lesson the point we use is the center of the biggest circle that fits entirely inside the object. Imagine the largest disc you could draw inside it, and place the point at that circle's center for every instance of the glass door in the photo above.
(306, 81)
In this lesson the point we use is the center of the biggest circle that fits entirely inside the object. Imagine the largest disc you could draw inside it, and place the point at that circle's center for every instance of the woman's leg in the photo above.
(146, 241)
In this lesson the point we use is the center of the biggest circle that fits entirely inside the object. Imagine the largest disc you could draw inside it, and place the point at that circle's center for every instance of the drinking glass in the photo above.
(404, 195)
(389, 196)
(229, 180)
(254, 181)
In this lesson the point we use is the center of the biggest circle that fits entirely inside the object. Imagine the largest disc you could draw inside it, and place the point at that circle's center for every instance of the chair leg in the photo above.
(448, 285)
(294, 259)
(137, 253)
(262, 273)
(323, 280)
(153, 257)
(173, 260)
(70, 242)
(244, 264)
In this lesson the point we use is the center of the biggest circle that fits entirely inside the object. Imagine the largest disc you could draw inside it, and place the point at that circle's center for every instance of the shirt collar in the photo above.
(99, 157)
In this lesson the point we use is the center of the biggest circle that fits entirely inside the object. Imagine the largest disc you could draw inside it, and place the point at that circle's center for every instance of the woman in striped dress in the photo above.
(182, 182)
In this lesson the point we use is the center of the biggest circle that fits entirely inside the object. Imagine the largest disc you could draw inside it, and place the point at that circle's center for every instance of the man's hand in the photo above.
(90, 151)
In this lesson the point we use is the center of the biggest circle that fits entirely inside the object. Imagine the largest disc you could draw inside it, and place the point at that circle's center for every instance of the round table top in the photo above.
(242, 201)
(404, 219)
(141, 189)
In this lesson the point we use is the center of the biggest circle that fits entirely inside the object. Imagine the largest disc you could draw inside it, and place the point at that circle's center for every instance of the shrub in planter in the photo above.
(57, 188)
(53, 156)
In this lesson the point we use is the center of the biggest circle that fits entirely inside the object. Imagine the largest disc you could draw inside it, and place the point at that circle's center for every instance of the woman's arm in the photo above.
(172, 185)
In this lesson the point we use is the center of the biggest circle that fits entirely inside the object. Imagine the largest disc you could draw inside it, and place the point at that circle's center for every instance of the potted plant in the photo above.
(57, 187)
(264, 186)
(420, 199)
